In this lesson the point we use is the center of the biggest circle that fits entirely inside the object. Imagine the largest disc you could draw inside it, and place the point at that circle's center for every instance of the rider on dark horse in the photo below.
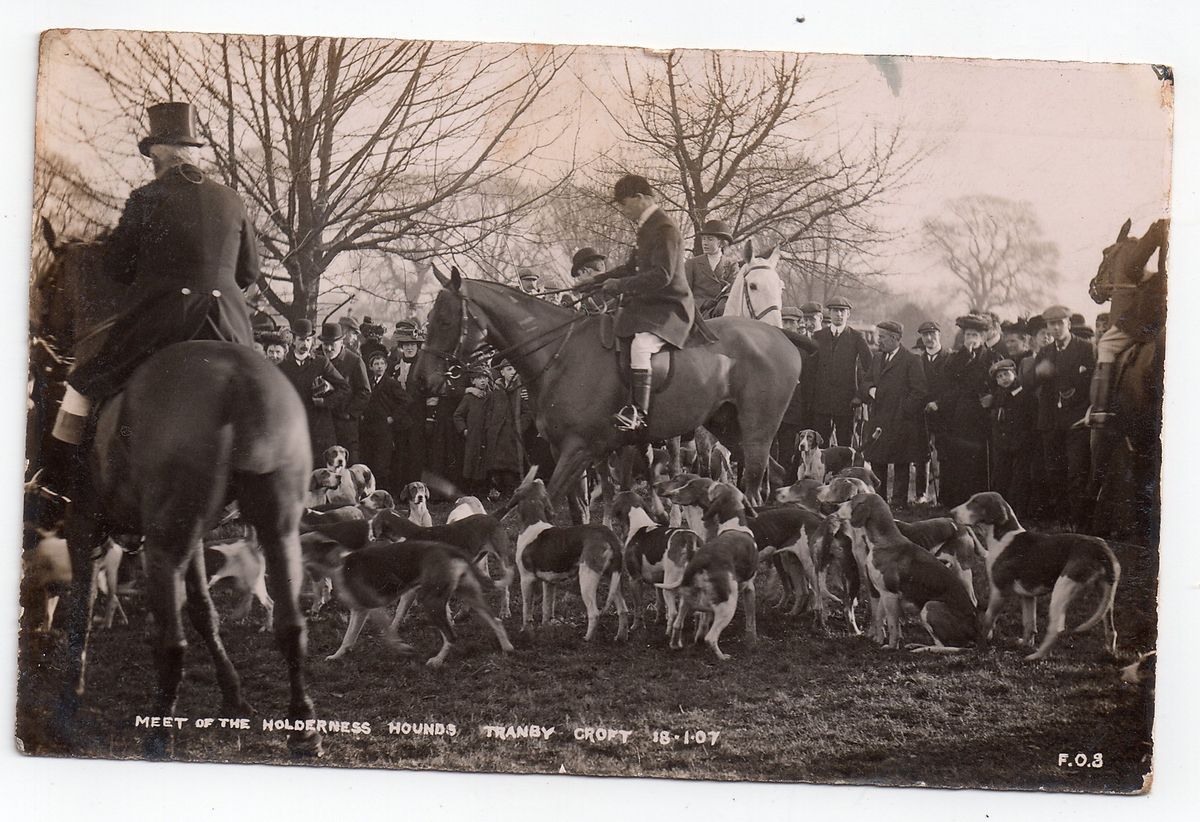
(656, 303)
(1139, 306)
(186, 245)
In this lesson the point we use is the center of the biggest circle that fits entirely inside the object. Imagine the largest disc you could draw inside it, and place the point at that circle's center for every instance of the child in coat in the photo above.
(470, 418)
(1014, 430)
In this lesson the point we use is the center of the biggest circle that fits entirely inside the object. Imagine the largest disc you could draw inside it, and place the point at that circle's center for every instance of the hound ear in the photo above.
(820, 440)
(50, 236)
(1125, 230)
(441, 278)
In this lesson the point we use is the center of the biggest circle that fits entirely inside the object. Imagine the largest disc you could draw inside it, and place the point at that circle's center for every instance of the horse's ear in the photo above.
(1125, 230)
(441, 278)
(748, 251)
(774, 254)
(51, 237)
(456, 278)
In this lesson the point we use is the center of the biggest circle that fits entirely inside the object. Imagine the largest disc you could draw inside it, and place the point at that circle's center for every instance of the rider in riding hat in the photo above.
(710, 274)
(656, 303)
(187, 247)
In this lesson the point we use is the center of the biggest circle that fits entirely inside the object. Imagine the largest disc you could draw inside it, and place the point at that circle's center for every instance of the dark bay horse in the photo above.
(198, 425)
(737, 387)
(1138, 396)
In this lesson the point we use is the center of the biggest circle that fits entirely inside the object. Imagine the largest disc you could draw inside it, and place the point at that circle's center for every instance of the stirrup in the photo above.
(629, 418)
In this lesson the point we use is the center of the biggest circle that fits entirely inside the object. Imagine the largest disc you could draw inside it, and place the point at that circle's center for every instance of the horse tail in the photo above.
(803, 344)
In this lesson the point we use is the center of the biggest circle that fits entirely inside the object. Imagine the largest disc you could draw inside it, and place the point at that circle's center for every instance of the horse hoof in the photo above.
(305, 745)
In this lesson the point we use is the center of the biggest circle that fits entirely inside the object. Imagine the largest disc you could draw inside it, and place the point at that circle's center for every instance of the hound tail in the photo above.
(1109, 597)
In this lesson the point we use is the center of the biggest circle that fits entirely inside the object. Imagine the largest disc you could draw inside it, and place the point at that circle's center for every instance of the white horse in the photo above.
(757, 289)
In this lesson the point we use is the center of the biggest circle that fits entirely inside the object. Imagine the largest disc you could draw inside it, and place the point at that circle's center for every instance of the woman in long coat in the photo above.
(505, 417)
(964, 460)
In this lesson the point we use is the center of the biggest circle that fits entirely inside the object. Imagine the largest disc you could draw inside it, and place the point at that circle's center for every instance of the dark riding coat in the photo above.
(840, 366)
(710, 288)
(653, 285)
(187, 248)
(896, 431)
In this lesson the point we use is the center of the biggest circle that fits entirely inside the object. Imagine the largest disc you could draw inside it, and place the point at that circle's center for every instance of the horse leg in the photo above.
(206, 622)
(568, 470)
(164, 590)
(271, 504)
(754, 470)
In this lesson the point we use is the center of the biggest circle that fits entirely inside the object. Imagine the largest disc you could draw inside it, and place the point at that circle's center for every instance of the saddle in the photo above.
(662, 363)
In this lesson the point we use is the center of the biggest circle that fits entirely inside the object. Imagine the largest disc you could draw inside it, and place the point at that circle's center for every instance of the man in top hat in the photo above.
(348, 410)
(933, 364)
(351, 333)
(842, 360)
(895, 435)
(710, 274)
(321, 386)
(1063, 375)
(656, 303)
(964, 458)
(187, 249)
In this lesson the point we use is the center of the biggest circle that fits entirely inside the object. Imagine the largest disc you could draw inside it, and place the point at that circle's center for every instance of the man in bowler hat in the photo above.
(320, 386)
(347, 411)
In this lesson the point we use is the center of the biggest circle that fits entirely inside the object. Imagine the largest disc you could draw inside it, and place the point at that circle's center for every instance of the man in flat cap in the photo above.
(711, 273)
(895, 390)
(811, 319)
(656, 303)
(842, 360)
(933, 364)
(964, 458)
(351, 333)
(321, 386)
(587, 262)
(791, 318)
(187, 249)
(1063, 375)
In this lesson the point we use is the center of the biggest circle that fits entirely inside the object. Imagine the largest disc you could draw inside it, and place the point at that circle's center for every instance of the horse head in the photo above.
(452, 334)
(1123, 263)
(60, 300)
(757, 290)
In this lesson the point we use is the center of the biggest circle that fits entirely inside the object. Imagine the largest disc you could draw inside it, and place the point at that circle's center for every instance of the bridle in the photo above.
(755, 315)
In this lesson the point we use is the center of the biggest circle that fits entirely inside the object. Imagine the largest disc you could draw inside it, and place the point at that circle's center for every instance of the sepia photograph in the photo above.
(512, 407)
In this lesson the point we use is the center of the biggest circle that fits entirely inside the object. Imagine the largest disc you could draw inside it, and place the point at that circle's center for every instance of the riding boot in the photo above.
(1099, 415)
(633, 416)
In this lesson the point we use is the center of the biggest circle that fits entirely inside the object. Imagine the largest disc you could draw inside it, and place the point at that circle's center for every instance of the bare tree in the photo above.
(345, 146)
(738, 137)
(995, 251)
(63, 195)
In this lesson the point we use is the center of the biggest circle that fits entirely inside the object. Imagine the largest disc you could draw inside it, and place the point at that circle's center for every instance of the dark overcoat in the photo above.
(505, 418)
(842, 363)
(1014, 420)
(348, 410)
(934, 366)
(967, 381)
(385, 414)
(1063, 393)
(469, 419)
(896, 431)
(654, 288)
(710, 287)
(187, 249)
(302, 375)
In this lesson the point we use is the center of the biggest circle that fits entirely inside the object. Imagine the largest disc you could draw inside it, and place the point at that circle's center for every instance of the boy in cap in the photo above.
(321, 386)
(710, 274)
(656, 303)
(843, 359)
(895, 389)
(1063, 374)
(1014, 429)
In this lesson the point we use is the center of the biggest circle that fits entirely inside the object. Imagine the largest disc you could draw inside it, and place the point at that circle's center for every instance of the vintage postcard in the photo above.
(719, 415)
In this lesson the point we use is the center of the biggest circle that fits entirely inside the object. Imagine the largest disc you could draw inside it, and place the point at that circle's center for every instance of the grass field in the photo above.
(797, 706)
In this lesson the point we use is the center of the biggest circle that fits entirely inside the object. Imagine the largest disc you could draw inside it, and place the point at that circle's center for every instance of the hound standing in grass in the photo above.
(1031, 565)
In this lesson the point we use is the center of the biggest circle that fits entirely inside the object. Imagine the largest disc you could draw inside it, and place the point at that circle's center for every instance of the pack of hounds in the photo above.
(690, 544)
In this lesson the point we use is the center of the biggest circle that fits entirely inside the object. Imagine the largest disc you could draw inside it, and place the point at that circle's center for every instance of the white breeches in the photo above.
(643, 347)
(1111, 344)
(75, 403)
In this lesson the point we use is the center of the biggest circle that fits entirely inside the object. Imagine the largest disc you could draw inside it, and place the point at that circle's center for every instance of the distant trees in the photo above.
(995, 251)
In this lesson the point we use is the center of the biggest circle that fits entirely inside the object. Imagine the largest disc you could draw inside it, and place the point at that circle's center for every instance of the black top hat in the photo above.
(584, 256)
(171, 124)
(302, 328)
(331, 332)
(631, 185)
(717, 228)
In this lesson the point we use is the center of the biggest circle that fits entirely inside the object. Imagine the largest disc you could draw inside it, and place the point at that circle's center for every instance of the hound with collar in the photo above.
(368, 580)
(1031, 565)
(818, 462)
(416, 496)
(902, 571)
(480, 535)
(652, 552)
(553, 555)
(724, 568)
